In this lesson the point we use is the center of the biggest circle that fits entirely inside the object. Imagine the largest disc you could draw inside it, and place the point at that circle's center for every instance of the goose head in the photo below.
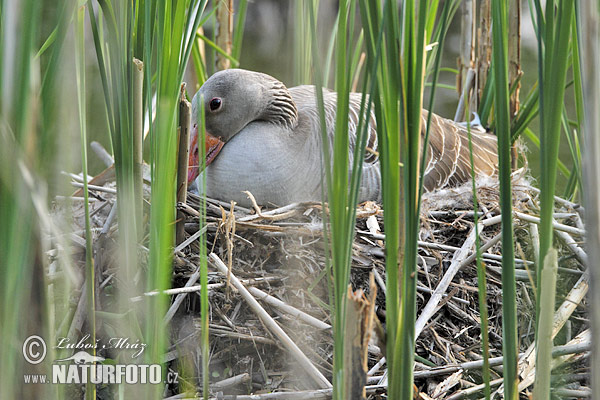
(231, 100)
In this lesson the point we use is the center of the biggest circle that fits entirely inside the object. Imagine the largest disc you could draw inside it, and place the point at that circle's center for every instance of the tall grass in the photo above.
(398, 108)
(164, 35)
(502, 119)
(90, 279)
(554, 25)
(338, 172)
(589, 15)
(121, 31)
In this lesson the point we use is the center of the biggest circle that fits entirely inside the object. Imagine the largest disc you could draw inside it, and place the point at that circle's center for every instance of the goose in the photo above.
(264, 138)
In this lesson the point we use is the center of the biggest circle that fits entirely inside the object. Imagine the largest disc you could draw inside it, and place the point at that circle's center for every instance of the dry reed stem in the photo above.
(270, 323)
(275, 302)
(138, 145)
(230, 382)
(484, 52)
(102, 154)
(562, 314)
(183, 140)
(432, 305)
(211, 286)
(181, 296)
(224, 32)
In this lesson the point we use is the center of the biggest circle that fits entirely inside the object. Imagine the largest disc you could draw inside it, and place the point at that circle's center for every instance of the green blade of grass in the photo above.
(89, 262)
(502, 124)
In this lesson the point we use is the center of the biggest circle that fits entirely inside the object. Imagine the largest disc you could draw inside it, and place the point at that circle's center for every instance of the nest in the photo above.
(280, 255)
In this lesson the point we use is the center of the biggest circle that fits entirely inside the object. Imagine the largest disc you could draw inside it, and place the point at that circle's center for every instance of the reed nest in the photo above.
(279, 255)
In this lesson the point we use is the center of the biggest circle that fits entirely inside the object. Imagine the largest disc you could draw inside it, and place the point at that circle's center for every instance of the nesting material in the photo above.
(278, 255)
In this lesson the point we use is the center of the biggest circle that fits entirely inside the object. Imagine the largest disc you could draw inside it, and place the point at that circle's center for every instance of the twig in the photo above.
(474, 389)
(185, 113)
(562, 314)
(242, 336)
(575, 249)
(301, 395)
(224, 32)
(94, 187)
(230, 382)
(102, 153)
(138, 145)
(181, 296)
(275, 302)
(306, 364)
(464, 97)
(555, 225)
(211, 286)
(189, 240)
(443, 284)
(449, 369)
(273, 215)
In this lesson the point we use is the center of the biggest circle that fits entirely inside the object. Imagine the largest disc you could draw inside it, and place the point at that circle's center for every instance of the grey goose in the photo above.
(265, 138)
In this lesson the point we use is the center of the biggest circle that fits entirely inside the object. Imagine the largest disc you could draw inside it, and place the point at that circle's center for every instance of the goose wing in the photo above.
(448, 159)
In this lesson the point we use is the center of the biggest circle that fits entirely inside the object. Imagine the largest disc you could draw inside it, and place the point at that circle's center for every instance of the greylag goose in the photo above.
(265, 138)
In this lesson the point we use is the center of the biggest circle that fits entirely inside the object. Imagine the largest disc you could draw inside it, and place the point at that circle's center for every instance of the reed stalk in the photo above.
(204, 309)
(183, 140)
(543, 361)
(138, 141)
(554, 33)
(502, 121)
(90, 276)
(481, 277)
(589, 15)
(224, 18)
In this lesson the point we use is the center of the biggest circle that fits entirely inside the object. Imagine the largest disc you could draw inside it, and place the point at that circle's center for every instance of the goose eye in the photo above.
(215, 104)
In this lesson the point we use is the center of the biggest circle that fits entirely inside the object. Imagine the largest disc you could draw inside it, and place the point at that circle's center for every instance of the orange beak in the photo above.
(213, 146)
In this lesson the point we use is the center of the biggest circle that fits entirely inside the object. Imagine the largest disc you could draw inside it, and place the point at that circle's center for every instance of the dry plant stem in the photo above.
(102, 154)
(358, 326)
(191, 239)
(580, 342)
(464, 97)
(376, 367)
(180, 297)
(185, 114)
(197, 288)
(467, 43)
(439, 291)
(230, 382)
(138, 140)
(495, 361)
(301, 395)
(473, 390)
(224, 31)
(535, 240)
(236, 335)
(567, 203)
(544, 337)
(272, 216)
(96, 188)
(572, 245)
(589, 16)
(562, 314)
(484, 52)
(275, 302)
(272, 213)
(556, 225)
(514, 54)
(80, 313)
(306, 364)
